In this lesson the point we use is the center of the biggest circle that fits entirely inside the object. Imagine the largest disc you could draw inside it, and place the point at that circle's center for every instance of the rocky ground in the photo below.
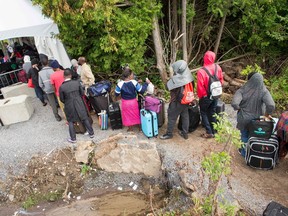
(42, 135)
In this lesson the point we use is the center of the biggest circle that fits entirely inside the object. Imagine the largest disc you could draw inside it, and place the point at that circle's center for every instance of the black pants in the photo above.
(175, 109)
(87, 125)
(207, 111)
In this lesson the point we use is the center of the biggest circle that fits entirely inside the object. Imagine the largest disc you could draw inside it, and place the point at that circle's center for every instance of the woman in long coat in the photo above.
(251, 101)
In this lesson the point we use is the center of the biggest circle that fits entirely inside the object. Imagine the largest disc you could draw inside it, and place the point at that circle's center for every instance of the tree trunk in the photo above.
(184, 30)
(174, 19)
(159, 50)
(190, 35)
(219, 35)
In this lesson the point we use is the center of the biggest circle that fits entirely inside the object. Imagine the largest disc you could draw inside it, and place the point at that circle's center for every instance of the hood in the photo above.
(181, 75)
(256, 81)
(209, 58)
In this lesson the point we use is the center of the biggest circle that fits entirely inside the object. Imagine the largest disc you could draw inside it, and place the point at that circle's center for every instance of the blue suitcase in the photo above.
(103, 120)
(149, 123)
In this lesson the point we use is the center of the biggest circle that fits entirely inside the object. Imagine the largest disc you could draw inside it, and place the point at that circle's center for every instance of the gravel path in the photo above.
(41, 134)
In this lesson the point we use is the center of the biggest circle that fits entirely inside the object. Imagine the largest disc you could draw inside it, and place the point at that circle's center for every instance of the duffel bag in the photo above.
(99, 88)
(261, 128)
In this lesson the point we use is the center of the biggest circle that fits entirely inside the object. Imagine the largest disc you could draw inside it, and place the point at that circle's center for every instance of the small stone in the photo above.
(11, 197)
(120, 188)
(131, 183)
(78, 197)
(135, 187)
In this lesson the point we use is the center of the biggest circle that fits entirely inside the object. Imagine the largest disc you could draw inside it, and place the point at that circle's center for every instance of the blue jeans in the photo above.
(207, 111)
(244, 139)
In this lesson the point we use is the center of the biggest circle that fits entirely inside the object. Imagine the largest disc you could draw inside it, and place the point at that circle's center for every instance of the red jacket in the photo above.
(202, 76)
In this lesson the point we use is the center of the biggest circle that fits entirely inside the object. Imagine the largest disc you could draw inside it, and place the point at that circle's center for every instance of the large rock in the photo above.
(16, 109)
(84, 148)
(18, 89)
(125, 153)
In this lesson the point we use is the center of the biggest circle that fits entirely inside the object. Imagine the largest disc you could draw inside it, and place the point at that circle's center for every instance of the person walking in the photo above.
(33, 74)
(45, 84)
(207, 103)
(71, 95)
(128, 88)
(181, 77)
(57, 78)
(251, 101)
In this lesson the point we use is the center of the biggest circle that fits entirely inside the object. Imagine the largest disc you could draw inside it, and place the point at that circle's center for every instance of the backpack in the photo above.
(214, 90)
(99, 88)
(186, 95)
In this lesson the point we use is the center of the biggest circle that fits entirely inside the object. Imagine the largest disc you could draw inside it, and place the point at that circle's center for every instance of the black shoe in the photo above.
(166, 136)
(44, 104)
(185, 136)
(58, 118)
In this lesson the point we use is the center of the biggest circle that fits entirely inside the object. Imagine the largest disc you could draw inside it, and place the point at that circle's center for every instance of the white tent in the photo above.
(19, 18)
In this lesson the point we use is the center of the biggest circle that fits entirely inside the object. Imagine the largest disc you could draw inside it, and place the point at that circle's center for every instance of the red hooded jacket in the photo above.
(202, 76)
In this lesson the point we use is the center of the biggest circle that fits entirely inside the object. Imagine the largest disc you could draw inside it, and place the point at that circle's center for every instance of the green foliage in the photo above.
(225, 131)
(227, 208)
(278, 86)
(250, 68)
(29, 202)
(216, 164)
(36, 198)
(85, 169)
(108, 35)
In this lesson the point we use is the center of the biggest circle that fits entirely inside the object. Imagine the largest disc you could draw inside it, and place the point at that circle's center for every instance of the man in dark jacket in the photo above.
(33, 74)
(71, 94)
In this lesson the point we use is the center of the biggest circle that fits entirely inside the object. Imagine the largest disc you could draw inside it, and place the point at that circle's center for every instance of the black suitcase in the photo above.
(262, 153)
(194, 118)
(275, 209)
(115, 116)
(161, 114)
(100, 103)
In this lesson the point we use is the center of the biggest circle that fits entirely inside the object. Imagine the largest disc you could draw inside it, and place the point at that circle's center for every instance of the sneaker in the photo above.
(90, 135)
(44, 104)
(242, 152)
(71, 140)
(185, 136)
(166, 136)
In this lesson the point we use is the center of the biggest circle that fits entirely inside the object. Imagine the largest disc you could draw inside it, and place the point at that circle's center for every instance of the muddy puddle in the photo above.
(126, 203)
(112, 204)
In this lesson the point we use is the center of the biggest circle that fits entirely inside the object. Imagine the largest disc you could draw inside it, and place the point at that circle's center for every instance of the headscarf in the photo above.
(181, 77)
(26, 58)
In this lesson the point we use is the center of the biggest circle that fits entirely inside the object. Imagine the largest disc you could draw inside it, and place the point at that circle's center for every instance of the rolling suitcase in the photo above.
(100, 103)
(194, 118)
(275, 209)
(262, 153)
(103, 120)
(79, 126)
(115, 116)
(161, 114)
(149, 123)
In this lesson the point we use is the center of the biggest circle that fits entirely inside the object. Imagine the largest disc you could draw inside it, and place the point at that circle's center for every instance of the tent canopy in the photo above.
(20, 18)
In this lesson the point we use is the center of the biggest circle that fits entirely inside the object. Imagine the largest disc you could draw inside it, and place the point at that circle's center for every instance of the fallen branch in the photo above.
(227, 60)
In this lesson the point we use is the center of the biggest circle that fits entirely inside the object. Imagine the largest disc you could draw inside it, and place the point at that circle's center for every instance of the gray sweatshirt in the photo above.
(44, 79)
(252, 100)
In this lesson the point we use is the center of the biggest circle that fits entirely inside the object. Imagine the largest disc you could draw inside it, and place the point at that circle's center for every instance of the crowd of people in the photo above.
(67, 89)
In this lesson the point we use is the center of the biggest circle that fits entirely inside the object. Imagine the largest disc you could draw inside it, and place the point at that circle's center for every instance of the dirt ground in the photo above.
(57, 173)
